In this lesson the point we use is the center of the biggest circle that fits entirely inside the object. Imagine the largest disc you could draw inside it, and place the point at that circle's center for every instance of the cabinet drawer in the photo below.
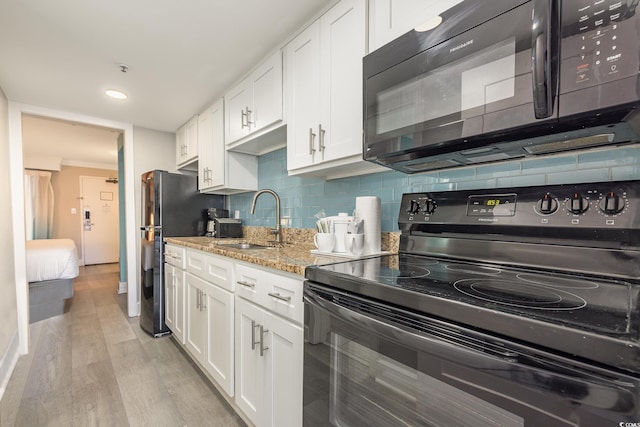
(212, 268)
(175, 255)
(275, 292)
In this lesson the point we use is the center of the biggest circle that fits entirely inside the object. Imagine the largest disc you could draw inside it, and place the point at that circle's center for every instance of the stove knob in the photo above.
(547, 205)
(611, 203)
(577, 204)
(431, 206)
(413, 208)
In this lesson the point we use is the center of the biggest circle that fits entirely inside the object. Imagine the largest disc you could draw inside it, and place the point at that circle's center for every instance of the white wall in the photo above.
(8, 302)
(151, 150)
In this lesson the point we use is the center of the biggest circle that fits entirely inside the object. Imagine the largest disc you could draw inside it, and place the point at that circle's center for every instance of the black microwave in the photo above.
(501, 79)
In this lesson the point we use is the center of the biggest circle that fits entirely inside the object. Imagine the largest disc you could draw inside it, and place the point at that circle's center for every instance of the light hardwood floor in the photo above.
(94, 366)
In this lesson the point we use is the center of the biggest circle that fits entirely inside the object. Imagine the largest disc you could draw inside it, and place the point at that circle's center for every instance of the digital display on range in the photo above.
(492, 205)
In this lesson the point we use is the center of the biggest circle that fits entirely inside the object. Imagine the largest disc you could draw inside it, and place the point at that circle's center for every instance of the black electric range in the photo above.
(555, 267)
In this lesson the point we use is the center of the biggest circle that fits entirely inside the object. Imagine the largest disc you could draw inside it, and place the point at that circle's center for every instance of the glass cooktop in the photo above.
(478, 294)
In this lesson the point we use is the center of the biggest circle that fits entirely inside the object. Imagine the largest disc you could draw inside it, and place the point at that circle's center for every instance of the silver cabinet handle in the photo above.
(280, 297)
(262, 347)
(321, 144)
(247, 284)
(254, 325)
(248, 115)
(312, 136)
(198, 299)
(243, 119)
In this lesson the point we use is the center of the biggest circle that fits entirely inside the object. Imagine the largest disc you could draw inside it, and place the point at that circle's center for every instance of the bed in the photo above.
(52, 264)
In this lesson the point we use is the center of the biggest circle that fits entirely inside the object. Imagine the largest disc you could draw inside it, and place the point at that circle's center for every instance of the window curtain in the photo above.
(38, 197)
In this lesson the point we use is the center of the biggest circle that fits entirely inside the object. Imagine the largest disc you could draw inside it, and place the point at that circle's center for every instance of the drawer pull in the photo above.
(247, 284)
(280, 297)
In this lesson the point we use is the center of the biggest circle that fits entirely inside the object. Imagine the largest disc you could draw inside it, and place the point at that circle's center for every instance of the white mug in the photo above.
(354, 243)
(324, 241)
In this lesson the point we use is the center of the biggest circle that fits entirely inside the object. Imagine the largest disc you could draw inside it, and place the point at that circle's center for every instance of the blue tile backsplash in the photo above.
(302, 198)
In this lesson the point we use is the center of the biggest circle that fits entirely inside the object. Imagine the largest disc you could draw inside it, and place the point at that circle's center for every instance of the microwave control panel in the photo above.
(599, 43)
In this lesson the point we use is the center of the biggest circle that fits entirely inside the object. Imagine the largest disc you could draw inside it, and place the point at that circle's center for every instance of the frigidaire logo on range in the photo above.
(460, 46)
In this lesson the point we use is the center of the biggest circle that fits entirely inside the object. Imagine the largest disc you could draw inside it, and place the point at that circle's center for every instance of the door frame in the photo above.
(16, 111)
(81, 225)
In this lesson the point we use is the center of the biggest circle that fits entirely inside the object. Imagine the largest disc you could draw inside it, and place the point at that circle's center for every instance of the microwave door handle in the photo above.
(541, 59)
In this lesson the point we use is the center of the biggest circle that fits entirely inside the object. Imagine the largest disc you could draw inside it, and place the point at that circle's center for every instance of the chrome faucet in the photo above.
(276, 230)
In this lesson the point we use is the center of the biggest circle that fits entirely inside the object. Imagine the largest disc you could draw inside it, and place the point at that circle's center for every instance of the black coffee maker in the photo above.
(215, 213)
(220, 225)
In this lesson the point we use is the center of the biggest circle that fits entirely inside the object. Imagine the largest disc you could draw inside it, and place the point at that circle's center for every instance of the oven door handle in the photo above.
(596, 391)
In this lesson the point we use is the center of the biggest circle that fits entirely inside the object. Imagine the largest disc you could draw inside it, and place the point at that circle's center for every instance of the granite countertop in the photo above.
(293, 256)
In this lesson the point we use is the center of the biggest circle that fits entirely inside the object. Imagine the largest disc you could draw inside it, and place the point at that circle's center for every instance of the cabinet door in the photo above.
(266, 83)
(192, 139)
(220, 313)
(195, 327)
(283, 376)
(181, 145)
(169, 296)
(249, 367)
(237, 101)
(343, 30)
(211, 150)
(303, 97)
(179, 298)
(389, 19)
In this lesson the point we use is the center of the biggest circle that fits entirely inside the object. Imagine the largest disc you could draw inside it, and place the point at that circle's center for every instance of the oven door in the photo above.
(451, 92)
(366, 363)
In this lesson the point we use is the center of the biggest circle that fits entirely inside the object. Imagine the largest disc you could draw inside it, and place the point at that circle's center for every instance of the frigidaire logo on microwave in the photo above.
(460, 46)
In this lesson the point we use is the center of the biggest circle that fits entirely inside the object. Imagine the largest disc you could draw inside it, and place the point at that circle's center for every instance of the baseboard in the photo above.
(123, 287)
(8, 363)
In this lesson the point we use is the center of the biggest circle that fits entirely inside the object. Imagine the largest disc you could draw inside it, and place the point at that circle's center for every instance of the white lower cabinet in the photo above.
(196, 316)
(220, 337)
(269, 346)
(174, 300)
(269, 351)
(174, 272)
(210, 312)
(243, 327)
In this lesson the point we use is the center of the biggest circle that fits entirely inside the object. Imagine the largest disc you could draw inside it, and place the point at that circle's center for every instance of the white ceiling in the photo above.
(182, 55)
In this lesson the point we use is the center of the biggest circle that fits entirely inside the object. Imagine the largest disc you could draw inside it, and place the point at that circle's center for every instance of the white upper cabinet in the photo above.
(324, 94)
(254, 107)
(389, 19)
(187, 143)
(220, 171)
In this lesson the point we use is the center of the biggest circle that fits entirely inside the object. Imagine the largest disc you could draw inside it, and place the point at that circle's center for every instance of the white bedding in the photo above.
(51, 259)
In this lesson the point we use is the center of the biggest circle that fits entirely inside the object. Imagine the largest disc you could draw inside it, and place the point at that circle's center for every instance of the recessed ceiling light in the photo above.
(430, 24)
(116, 94)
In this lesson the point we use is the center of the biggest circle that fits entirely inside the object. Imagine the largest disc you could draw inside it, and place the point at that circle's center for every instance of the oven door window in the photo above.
(369, 388)
(475, 83)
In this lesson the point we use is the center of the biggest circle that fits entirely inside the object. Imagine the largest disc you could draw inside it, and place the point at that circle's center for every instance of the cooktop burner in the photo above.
(523, 295)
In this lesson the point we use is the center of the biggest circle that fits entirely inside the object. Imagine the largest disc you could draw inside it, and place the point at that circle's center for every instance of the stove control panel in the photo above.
(604, 205)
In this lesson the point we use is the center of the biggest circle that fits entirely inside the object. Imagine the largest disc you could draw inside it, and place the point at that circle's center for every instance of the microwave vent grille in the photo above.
(438, 164)
(572, 144)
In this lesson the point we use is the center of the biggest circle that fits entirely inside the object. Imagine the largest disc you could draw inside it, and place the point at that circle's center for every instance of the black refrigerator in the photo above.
(171, 207)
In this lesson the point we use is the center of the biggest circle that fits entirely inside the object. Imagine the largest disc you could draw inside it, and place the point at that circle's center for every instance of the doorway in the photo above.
(16, 113)
(99, 220)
